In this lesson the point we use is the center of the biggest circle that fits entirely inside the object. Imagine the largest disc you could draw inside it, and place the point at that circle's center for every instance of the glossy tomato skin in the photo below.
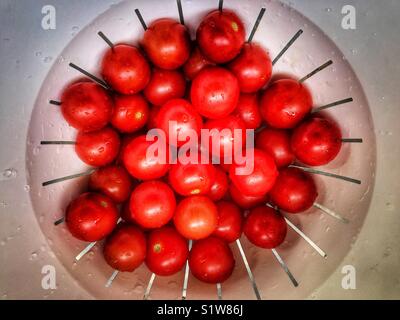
(86, 106)
(165, 85)
(125, 69)
(139, 164)
(196, 62)
(180, 118)
(167, 251)
(211, 260)
(125, 250)
(230, 222)
(248, 110)
(91, 217)
(265, 227)
(253, 68)
(152, 204)
(285, 103)
(316, 141)
(196, 217)
(98, 148)
(230, 133)
(276, 142)
(191, 178)
(113, 181)
(246, 202)
(294, 191)
(215, 92)
(220, 185)
(130, 114)
(260, 181)
(221, 36)
(167, 43)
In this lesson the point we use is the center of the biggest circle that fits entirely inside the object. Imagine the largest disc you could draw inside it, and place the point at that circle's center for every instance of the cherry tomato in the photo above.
(113, 181)
(125, 213)
(316, 141)
(260, 180)
(276, 142)
(165, 85)
(125, 249)
(141, 165)
(246, 202)
(167, 251)
(86, 106)
(91, 217)
(294, 191)
(219, 187)
(215, 92)
(196, 217)
(221, 36)
(285, 103)
(179, 118)
(152, 204)
(230, 222)
(229, 135)
(211, 260)
(98, 148)
(167, 43)
(125, 69)
(131, 113)
(265, 227)
(253, 68)
(248, 110)
(193, 178)
(196, 62)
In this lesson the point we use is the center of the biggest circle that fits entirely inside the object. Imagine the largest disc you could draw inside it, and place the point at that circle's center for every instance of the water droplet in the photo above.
(48, 59)
(33, 256)
(9, 174)
(27, 188)
(38, 54)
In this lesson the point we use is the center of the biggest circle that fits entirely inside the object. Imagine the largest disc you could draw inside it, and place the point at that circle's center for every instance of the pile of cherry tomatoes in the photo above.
(217, 82)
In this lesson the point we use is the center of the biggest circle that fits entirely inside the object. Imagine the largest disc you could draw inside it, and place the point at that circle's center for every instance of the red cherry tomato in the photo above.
(125, 69)
(196, 62)
(167, 251)
(248, 110)
(265, 227)
(86, 106)
(230, 222)
(98, 148)
(276, 142)
(152, 204)
(113, 181)
(179, 118)
(285, 103)
(167, 43)
(294, 191)
(141, 165)
(221, 36)
(220, 186)
(246, 202)
(211, 260)
(196, 217)
(91, 217)
(125, 249)
(191, 178)
(316, 141)
(253, 68)
(131, 113)
(165, 85)
(125, 213)
(230, 133)
(215, 92)
(260, 180)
